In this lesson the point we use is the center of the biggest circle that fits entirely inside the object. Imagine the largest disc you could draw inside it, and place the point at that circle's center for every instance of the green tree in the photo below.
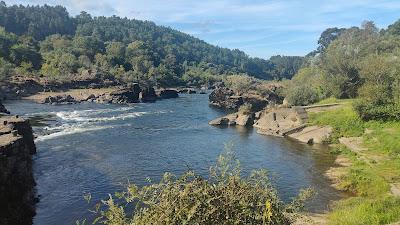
(328, 36)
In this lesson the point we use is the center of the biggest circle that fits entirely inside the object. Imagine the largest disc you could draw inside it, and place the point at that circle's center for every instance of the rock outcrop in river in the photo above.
(279, 121)
(225, 98)
(240, 119)
(16, 178)
(126, 94)
(167, 93)
(283, 122)
(81, 89)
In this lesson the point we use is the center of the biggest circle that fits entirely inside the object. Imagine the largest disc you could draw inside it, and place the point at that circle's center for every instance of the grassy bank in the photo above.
(373, 170)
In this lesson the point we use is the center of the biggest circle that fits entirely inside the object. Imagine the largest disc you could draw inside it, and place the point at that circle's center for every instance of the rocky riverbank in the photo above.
(272, 119)
(116, 95)
(83, 90)
(16, 177)
(227, 99)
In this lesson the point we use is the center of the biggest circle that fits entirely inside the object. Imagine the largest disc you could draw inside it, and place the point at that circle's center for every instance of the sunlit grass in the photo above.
(362, 211)
(371, 172)
(345, 122)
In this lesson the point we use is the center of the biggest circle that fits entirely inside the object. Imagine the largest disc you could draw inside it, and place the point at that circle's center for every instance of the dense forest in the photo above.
(46, 41)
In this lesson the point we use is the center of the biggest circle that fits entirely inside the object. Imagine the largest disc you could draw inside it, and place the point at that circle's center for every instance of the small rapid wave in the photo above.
(81, 121)
(68, 131)
(79, 116)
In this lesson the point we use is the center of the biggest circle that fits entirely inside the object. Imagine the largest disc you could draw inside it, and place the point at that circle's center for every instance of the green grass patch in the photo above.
(345, 122)
(384, 137)
(369, 180)
(360, 211)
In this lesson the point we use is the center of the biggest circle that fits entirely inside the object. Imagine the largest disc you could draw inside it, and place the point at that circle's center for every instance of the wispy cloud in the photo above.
(259, 27)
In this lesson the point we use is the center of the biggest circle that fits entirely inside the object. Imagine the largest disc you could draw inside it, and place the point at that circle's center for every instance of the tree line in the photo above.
(46, 41)
(357, 62)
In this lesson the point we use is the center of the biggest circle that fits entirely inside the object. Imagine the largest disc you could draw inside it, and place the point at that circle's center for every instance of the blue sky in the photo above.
(260, 28)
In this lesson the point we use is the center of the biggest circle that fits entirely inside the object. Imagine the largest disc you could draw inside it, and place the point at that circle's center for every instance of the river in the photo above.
(93, 148)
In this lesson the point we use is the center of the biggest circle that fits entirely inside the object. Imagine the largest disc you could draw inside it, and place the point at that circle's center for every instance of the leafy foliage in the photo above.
(225, 198)
(306, 87)
(358, 62)
(126, 49)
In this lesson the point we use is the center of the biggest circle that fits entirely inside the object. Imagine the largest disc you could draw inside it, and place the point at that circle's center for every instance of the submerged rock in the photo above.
(129, 94)
(234, 119)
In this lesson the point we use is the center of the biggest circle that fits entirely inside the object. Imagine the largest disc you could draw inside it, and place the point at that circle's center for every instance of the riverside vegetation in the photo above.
(226, 197)
(44, 41)
(373, 172)
(357, 67)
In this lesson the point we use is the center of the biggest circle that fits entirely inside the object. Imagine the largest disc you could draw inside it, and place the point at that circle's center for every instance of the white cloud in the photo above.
(254, 25)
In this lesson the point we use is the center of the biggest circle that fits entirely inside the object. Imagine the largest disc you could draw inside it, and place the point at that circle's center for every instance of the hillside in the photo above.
(47, 41)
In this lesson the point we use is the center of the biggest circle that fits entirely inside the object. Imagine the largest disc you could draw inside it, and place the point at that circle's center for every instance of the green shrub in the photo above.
(225, 198)
(369, 111)
(5, 69)
(302, 95)
(306, 87)
(345, 122)
(240, 83)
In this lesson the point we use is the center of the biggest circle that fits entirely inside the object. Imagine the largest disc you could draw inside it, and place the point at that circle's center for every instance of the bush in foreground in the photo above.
(225, 198)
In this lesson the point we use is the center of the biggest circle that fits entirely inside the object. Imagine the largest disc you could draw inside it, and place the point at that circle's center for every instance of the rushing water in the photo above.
(92, 148)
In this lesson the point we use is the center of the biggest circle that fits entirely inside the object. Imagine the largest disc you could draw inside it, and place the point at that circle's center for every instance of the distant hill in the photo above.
(47, 41)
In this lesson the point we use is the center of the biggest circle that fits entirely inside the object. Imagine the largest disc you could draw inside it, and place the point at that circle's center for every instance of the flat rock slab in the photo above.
(313, 134)
(323, 107)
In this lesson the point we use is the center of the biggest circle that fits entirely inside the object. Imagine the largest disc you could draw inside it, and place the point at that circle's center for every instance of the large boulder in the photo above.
(257, 102)
(148, 95)
(240, 119)
(225, 98)
(167, 93)
(228, 120)
(278, 121)
(245, 119)
(3, 109)
(129, 94)
(58, 99)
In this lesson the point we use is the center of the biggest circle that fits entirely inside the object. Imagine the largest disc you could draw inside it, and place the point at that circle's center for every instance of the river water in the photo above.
(93, 148)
